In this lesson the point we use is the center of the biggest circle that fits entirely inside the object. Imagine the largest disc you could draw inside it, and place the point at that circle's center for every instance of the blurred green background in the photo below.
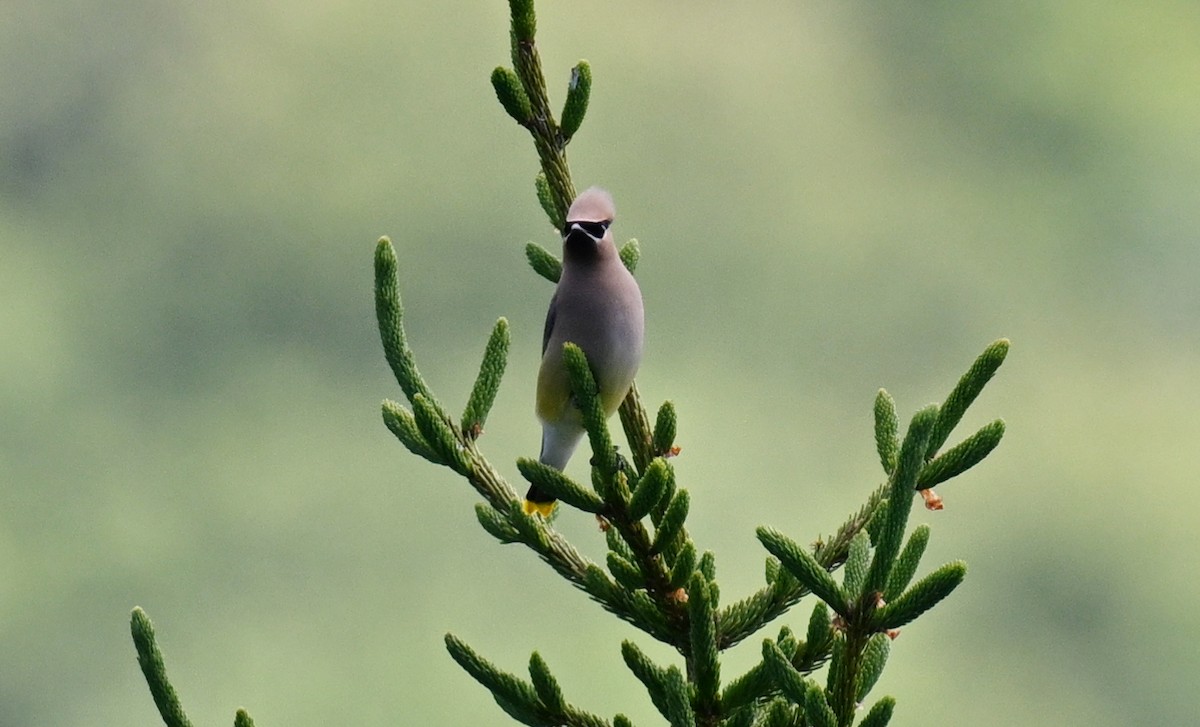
(830, 198)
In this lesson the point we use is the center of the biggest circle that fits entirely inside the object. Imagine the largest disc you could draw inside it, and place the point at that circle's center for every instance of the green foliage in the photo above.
(542, 262)
(630, 254)
(516, 696)
(874, 658)
(545, 684)
(778, 713)
(963, 456)
(818, 638)
(684, 566)
(880, 714)
(511, 95)
(787, 678)
(900, 496)
(578, 92)
(745, 690)
(551, 269)
(652, 676)
(626, 573)
(496, 524)
(704, 650)
(538, 702)
(840, 681)
(651, 489)
(150, 659)
(856, 566)
(400, 421)
(805, 568)
(907, 562)
(680, 712)
(670, 529)
(746, 616)
(924, 595)
(587, 399)
(491, 370)
(524, 21)
(964, 393)
(887, 428)
(436, 429)
(555, 483)
(655, 579)
(817, 709)
(390, 314)
(664, 429)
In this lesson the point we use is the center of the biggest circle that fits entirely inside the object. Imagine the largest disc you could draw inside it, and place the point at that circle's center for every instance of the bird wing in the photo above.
(551, 314)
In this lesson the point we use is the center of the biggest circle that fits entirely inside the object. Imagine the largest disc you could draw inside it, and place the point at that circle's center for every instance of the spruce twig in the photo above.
(150, 659)
(657, 579)
(747, 616)
(649, 570)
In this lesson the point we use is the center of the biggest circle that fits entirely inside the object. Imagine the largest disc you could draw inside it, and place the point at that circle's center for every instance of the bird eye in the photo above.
(594, 230)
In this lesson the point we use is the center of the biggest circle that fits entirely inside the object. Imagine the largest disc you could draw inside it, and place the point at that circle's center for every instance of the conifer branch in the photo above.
(876, 567)
(637, 428)
(887, 426)
(648, 570)
(657, 579)
(150, 659)
(390, 314)
(875, 657)
(900, 497)
(548, 137)
(704, 664)
(752, 613)
(924, 595)
(907, 562)
(880, 714)
(817, 709)
(962, 456)
(964, 393)
(663, 437)
(805, 568)
(542, 261)
(491, 370)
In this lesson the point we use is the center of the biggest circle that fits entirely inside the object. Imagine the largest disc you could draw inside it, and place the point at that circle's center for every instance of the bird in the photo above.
(597, 306)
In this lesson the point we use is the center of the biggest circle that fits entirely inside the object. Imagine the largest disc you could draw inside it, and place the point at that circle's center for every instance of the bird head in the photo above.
(588, 221)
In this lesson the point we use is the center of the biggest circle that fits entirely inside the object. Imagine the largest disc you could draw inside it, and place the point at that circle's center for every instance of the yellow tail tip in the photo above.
(541, 508)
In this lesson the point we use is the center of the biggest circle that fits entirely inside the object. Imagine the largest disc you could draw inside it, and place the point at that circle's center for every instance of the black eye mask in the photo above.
(595, 230)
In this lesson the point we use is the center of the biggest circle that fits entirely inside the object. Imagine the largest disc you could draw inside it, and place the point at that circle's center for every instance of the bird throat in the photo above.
(581, 247)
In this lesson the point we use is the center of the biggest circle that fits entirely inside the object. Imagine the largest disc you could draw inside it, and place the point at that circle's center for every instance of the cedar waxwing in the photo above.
(598, 307)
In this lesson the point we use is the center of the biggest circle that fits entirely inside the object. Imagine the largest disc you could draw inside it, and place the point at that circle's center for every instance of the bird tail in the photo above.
(545, 509)
(558, 444)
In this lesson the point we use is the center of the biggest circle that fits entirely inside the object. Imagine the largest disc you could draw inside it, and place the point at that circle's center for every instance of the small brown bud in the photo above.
(933, 501)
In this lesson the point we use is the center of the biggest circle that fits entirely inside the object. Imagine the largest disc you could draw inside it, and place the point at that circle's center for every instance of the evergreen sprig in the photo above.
(805, 568)
(487, 384)
(150, 659)
(655, 576)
